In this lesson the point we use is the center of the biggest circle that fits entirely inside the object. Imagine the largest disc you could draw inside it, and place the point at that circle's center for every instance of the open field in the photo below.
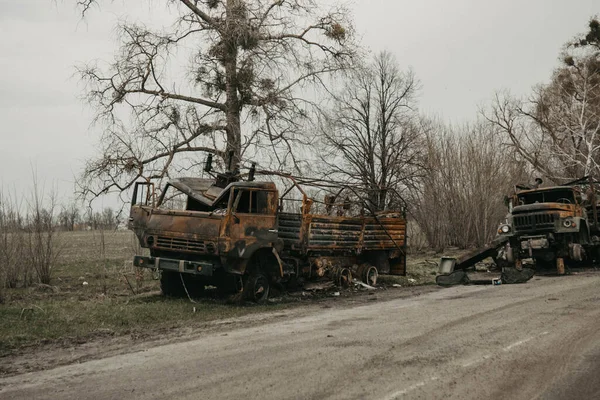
(96, 293)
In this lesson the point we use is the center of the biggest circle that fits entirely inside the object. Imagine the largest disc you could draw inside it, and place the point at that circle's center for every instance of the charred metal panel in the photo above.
(176, 231)
(384, 233)
(334, 232)
(192, 224)
(289, 230)
(184, 244)
(359, 233)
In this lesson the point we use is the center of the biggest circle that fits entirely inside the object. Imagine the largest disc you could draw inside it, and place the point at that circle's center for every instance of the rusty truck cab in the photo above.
(547, 225)
(198, 228)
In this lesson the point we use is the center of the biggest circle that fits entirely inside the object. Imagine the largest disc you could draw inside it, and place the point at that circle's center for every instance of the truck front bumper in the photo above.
(539, 242)
(204, 268)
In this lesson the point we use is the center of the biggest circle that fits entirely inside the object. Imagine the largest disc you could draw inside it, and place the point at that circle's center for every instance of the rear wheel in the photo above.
(257, 287)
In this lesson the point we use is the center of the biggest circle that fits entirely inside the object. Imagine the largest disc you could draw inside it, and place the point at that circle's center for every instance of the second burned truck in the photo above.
(552, 225)
(243, 236)
(549, 227)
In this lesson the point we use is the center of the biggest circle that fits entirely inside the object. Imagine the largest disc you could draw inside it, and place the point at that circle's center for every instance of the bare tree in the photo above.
(69, 216)
(591, 39)
(108, 219)
(42, 247)
(250, 62)
(557, 130)
(469, 171)
(372, 134)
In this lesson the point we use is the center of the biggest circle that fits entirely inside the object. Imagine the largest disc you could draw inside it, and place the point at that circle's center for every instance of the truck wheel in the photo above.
(170, 284)
(257, 287)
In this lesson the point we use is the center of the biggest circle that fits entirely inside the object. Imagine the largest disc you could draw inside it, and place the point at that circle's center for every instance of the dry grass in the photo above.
(95, 291)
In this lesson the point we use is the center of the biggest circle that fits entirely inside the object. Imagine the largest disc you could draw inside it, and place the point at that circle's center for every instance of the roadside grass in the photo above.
(95, 291)
(73, 321)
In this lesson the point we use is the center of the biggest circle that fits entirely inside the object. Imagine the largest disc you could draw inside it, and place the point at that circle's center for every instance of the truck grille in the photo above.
(534, 221)
(172, 243)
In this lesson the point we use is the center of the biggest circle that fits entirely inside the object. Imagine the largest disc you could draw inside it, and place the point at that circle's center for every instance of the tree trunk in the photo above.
(232, 102)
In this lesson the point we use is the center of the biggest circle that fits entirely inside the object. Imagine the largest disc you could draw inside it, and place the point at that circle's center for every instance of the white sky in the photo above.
(461, 50)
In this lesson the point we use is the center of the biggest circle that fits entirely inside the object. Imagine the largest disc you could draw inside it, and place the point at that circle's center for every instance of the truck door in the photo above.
(252, 221)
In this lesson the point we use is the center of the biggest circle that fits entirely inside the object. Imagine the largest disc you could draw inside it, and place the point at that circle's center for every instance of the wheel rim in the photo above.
(260, 288)
(345, 277)
(371, 276)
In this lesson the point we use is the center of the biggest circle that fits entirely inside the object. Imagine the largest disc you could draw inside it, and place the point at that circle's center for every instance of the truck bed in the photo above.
(320, 232)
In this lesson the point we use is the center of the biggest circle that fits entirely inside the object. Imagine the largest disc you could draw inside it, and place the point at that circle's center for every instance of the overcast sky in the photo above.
(461, 50)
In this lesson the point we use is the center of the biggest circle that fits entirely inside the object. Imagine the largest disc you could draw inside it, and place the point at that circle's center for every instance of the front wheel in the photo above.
(257, 288)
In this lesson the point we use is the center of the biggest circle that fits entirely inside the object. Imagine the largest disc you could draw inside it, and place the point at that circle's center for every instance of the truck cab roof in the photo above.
(205, 190)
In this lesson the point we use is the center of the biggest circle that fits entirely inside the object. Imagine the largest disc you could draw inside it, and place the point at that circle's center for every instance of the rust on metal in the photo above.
(560, 266)
(228, 227)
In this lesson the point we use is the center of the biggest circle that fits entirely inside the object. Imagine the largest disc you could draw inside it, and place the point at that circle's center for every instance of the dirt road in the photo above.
(536, 340)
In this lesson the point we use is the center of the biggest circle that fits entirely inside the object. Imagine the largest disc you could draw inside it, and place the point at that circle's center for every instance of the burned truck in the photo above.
(243, 237)
(546, 228)
(552, 225)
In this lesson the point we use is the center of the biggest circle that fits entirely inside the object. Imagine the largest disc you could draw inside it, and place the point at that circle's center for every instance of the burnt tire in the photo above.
(511, 275)
(257, 287)
(458, 277)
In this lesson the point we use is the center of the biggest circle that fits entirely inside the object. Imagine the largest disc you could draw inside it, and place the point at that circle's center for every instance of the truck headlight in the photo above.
(505, 228)
(569, 223)
(150, 240)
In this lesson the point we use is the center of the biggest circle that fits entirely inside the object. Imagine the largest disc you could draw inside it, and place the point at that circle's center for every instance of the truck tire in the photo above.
(512, 275)
(256, 287)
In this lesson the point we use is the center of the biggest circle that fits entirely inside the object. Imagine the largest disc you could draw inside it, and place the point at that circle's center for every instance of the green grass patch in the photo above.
(95, 291)
(76, 321)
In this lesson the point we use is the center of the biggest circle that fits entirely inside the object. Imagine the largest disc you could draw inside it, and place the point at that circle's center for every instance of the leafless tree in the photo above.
(106, 219)
(250, 63)
(469, 171)
(10, 234)
(591, 39)
(557, 129)
(69, 216)
(42, 247)
(372, 134)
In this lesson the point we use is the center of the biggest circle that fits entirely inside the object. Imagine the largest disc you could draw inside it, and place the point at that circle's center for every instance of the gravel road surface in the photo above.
(535, 340)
